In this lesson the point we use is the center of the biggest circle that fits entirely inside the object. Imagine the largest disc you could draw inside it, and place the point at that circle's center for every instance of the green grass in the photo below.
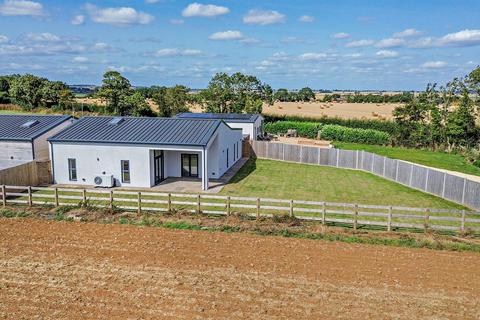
(15, 112)
(441, 160)
(283, 180)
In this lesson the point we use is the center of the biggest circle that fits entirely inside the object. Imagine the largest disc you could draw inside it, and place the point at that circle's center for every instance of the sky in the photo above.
(323, 44)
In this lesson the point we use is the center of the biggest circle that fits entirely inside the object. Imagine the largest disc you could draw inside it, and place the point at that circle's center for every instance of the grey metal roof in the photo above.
(227, 117)
(13, 128)
(139, 130)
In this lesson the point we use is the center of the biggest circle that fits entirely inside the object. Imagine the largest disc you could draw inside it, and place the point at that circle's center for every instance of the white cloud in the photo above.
(306, 19)
(250, 41)
(3, 39)
(407, 33)
(204, 10)
(173, 52)
(80, 59)
(359, 43)
(434, 65)
(263, 17)
(390, 43)
(462, 38)
(21, 8)
(78, 20)
(311, 56)
(118, 16)
(341, 35)
(226, 35)
(102, 47)
(386, 54)
(42, 37)
(177, 21)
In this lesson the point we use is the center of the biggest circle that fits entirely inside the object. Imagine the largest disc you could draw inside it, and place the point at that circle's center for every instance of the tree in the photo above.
(136, 105)
(55, 93)
(171, 101)
(231, 93)
(305, 94)
(460, 126)
(26, 91)
(282, 95)
(114, 89)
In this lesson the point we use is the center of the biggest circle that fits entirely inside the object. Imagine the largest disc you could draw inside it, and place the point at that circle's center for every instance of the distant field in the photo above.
(333, 109)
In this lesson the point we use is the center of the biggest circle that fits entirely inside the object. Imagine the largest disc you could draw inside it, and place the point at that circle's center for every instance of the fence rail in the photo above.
(438, 182)
(356, 215)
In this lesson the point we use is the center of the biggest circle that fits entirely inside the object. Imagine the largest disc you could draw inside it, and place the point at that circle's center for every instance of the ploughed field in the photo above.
(60, 270)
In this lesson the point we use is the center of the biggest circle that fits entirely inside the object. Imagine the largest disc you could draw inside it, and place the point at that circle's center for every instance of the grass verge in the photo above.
(286, 227)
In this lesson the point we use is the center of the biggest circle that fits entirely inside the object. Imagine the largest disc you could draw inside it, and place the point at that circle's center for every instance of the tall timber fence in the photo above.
(438, 182)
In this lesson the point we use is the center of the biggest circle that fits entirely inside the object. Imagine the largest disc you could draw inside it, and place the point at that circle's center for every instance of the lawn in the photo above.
(283, 180)
(441, 160)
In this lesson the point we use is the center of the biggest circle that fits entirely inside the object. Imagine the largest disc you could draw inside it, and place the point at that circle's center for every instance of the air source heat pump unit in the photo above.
(104, 181)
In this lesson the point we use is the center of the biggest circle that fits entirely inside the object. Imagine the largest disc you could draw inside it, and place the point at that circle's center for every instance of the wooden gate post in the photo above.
(199, 208)
(462, 226)
(4, 196)
(84, 193)
(355, 217)
(427, 218)
(258, 208)
(111, 199)
(291, 208)
(56, 197)
(324, 213)
(389, 223)
(139, 209)
(228, 206)
(30, 200)
(169, 203)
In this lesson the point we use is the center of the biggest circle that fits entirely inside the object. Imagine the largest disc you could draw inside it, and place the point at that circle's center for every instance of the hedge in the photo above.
(304, 129)
(355, 135)
(382, 125)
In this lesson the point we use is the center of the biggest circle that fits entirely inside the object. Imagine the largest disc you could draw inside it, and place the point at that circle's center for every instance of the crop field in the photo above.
(342, 110)
(69, 270)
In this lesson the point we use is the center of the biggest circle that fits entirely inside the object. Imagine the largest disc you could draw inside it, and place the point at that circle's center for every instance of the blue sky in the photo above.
(342, 44)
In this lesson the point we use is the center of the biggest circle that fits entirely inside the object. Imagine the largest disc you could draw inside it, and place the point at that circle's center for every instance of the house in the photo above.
(23, 138)
(251, 124)
(142, 152)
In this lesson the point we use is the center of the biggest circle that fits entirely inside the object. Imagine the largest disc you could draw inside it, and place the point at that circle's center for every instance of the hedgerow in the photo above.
(355, 135)
(304, 129)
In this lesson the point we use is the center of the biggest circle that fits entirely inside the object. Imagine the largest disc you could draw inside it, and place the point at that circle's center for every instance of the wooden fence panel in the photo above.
(32, 173)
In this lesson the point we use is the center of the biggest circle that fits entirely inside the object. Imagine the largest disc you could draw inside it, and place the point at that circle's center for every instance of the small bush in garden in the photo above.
(355, 135)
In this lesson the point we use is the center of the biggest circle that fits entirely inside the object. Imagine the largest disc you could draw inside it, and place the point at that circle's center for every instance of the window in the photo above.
(72, 169)
(125, 171)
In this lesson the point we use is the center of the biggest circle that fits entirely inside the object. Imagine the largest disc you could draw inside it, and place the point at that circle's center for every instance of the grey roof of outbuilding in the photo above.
(11, 128)
(228, 117)
(139, 130)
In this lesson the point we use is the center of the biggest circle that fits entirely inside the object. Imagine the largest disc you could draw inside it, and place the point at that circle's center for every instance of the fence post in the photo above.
(139, 209)
(389, 223)
(291, 208)
(228, 205)
(427, 218)
(324, 213)
(30, 201)
(463, 192)
(169, 203)
(338, 155)
(355, 217)
(462, 226)
(198, 204)
(444, 181)
(258, 208)
(84, 197)
(56, 197)
(4, 196)
(111, 199)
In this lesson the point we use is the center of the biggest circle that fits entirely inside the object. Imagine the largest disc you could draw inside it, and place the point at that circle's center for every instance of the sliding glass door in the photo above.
(190, 165)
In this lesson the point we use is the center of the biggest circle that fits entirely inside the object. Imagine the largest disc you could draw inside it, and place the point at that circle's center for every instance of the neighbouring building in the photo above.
(251, 124)
(23, 138)
(142, 152)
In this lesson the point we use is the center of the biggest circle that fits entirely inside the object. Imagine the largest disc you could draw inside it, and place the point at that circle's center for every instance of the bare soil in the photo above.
(71, 270)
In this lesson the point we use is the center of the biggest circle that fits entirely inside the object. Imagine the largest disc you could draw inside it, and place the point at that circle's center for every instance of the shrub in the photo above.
(376, 124)
(304, 129)
(355, 135)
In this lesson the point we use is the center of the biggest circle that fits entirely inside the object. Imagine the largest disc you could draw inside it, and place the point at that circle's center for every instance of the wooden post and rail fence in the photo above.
(356, 216)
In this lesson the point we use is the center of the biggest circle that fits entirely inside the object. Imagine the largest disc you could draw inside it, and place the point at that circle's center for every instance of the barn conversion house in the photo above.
(251, 124)
(23, 138)
(142, 152)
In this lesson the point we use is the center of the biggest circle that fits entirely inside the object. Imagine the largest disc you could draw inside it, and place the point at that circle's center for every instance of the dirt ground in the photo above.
(67, 270)
(381, 111)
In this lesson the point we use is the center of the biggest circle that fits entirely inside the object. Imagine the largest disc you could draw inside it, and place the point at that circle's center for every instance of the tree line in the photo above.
(404, 97)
